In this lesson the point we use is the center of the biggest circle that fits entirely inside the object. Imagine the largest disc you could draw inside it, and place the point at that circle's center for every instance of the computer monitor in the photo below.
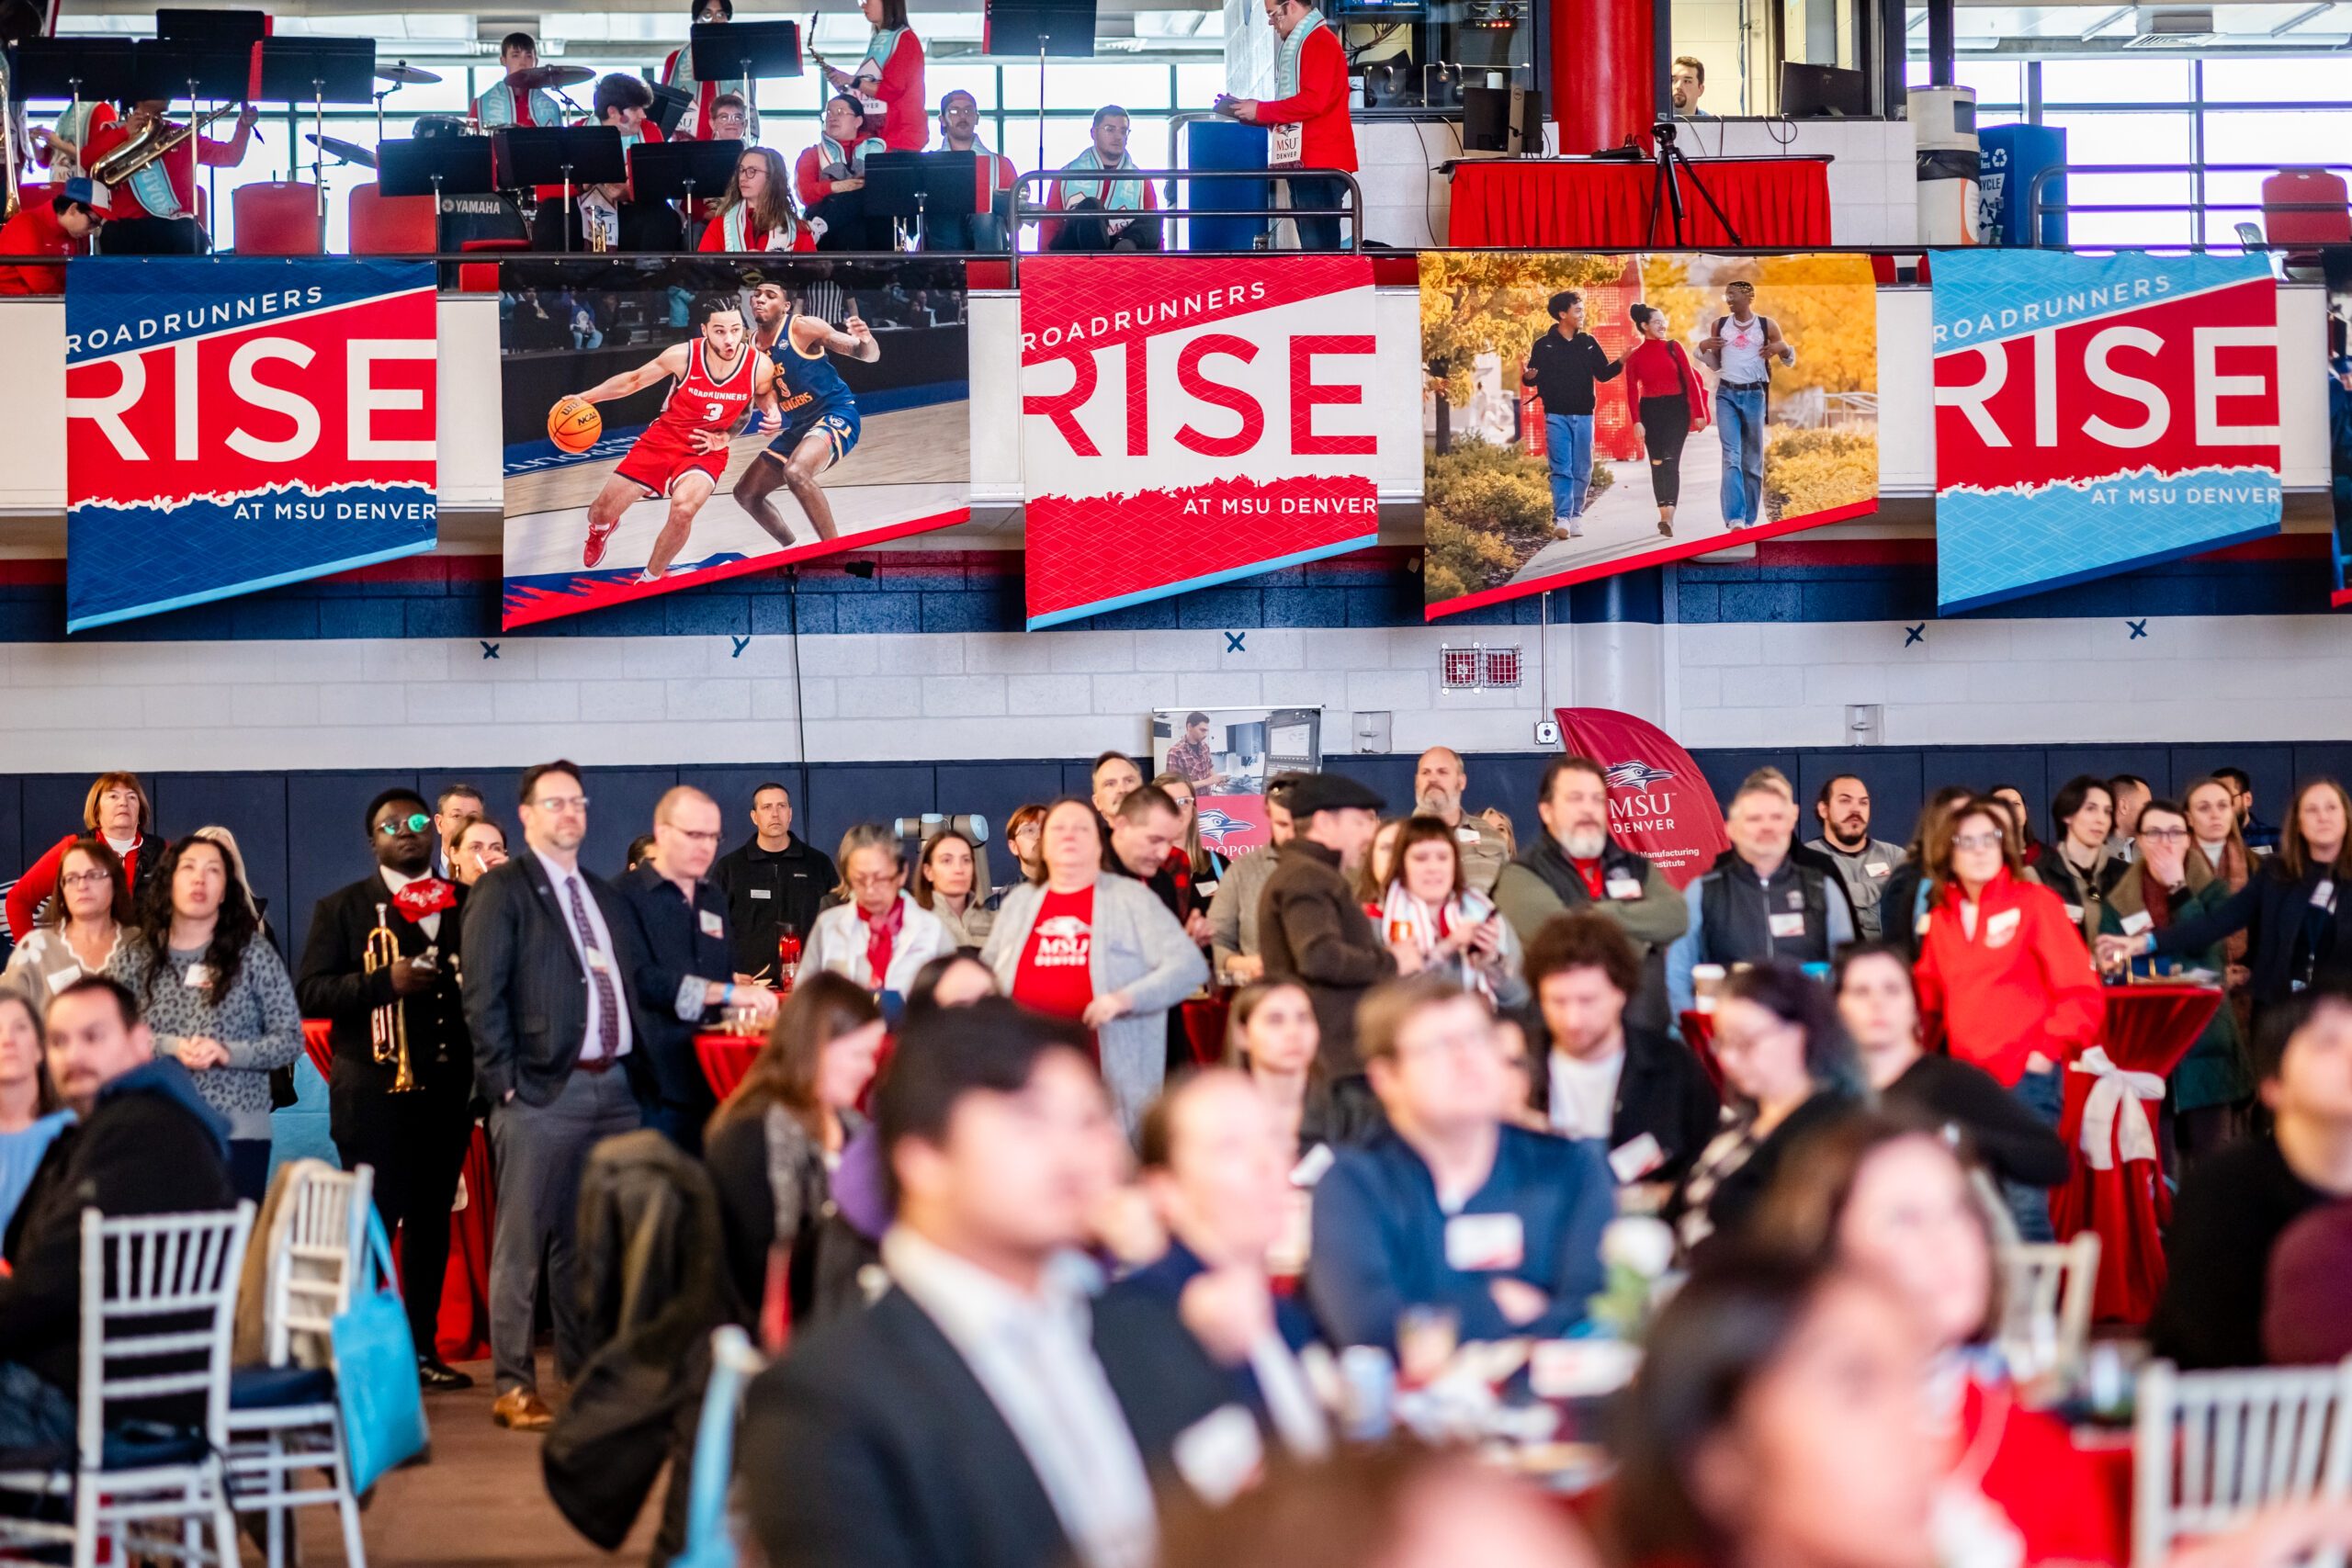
(1822, 92)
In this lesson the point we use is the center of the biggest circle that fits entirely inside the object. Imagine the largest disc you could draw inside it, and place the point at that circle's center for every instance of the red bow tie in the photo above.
(427, 896)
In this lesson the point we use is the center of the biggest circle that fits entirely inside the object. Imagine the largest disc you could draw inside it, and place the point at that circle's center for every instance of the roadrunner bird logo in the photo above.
(1635, 774)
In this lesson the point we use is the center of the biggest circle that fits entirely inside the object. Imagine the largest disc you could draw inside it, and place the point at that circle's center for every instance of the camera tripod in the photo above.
(1672, 166)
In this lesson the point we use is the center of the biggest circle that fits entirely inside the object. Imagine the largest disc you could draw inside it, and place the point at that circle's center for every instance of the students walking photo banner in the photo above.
(674, 423)
(2095, 414)
(1189, 420)
(1586, 415)
(232, 426)
(1660, 803)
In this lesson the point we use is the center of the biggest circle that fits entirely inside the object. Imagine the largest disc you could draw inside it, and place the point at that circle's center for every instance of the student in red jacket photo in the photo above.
(1306, 120)
(1669, 403)
(2004, 981)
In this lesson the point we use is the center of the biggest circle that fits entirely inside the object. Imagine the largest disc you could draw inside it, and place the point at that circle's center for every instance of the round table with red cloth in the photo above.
(1605, 205)
(2149, 1029)
(461, 1331)
(725, 1058)
(1698, 1031)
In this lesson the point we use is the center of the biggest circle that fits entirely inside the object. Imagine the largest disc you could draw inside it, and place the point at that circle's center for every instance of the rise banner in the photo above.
(1190, 420)
(232, 426)
(1660, 805)
(2095, 414)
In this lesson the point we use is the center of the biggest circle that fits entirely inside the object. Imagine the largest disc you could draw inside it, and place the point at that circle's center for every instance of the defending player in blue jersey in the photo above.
(820, 414)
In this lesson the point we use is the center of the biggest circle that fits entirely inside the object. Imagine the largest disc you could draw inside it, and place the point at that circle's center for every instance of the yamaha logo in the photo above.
(1635, 774)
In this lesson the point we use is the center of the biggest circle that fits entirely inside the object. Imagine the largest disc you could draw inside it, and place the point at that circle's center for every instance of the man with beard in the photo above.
(1439, 780)
(1575, 864)
(1864, 862)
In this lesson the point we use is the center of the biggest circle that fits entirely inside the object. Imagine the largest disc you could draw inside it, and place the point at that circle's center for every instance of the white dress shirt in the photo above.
(1034, 1358)
(1584, 1094)
(431, 924)
(592, 1042)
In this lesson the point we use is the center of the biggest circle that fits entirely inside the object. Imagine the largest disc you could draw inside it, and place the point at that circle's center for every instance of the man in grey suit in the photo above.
(547, 948)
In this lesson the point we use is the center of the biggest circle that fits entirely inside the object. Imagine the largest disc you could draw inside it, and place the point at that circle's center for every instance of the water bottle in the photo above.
(788, 958)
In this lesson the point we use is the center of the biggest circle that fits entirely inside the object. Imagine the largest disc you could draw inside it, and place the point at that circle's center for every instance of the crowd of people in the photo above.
(1030, 1251)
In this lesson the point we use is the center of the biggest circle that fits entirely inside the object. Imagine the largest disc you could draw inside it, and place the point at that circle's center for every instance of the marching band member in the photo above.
(502, 104)
(678, 71)
(889, 81)
(416, 1138)
(1307, 120)
(611, 213)
(59, 227)
(756, 212)
(60, 150)
(830, 177)
(1101, 197)
(959, 131)
(153, 211)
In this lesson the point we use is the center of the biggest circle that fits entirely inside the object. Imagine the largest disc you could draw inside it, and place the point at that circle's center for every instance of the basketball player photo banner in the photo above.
(232, 426)
(673, 422)
(2098, 413)
(1587, 415)
(1188, 422)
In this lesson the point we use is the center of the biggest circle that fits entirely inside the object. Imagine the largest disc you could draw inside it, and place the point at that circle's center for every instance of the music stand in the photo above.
(242, 29)
(675, 171)
(218, 68)
(1035, 28)
(539, 155)
(745, 51)
(325, 70)
(670, 107)
(921, 185)
(73, 68)
(434, 167)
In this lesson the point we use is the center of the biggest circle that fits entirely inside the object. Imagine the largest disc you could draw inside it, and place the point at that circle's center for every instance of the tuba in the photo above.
(387, 1025)
(145, 146)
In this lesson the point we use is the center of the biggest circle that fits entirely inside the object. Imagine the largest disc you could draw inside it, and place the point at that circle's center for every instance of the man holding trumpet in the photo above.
(381, 964)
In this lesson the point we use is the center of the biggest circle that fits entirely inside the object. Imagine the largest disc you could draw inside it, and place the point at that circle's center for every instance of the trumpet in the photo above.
(387, 1025)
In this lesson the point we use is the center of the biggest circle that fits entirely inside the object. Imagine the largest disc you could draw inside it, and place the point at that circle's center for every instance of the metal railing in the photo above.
(1023, 212)
(2038, 206)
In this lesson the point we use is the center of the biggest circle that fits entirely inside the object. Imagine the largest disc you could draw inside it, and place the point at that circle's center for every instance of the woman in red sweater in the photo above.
(1887, 1197)
(889, 81)
(1669, 403)
(117, 809)
(2005, 981)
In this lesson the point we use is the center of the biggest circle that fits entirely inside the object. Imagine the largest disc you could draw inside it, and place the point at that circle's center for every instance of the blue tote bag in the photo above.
(374, 1370)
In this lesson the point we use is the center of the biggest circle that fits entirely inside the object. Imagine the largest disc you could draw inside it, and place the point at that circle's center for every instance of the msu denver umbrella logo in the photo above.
(1635, 774)
(1215, 824)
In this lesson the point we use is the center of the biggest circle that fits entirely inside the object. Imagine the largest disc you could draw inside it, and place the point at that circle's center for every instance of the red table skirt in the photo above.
(1578, 203)
(1204, 1029)
(725, 1058)
(2148, 1030)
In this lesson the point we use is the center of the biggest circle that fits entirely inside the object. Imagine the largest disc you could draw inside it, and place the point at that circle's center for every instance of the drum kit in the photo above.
(375, 214)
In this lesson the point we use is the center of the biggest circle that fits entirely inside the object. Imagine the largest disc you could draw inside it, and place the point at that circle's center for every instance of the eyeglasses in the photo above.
(562, 803)
(873, 879)
(84, 879)
(414, 822)
(1976, 841)
(694, 838)
(2165, 835)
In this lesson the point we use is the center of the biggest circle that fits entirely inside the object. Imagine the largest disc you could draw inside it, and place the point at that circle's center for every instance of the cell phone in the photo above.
(1475, 907)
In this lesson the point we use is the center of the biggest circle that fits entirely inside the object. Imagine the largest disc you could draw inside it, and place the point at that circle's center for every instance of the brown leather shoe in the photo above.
(522, 1410)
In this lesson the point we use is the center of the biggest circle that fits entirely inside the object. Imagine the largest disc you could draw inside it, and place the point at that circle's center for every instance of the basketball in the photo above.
(574, 425)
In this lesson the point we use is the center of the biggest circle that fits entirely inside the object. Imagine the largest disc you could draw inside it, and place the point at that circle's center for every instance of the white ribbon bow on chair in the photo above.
(2108, 1132)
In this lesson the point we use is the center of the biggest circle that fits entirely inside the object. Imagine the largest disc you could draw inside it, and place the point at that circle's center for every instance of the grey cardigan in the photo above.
(1138, 948)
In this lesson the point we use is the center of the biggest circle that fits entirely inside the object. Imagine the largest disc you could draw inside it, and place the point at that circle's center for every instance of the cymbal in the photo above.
(407, 75)
(551, 76)
(349, 152)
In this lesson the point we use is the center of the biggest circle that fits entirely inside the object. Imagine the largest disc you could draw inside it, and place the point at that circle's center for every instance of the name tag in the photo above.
(1875, 869)
(2074, 912)
(1220, 1455)
(2134, 924)
(1287, 145)
(761, 893)
(1622, 887)
(1207, 889)
(197, 978)
(1788, 925)
(711, 924)
(598, 962)
(1311, 1166)
(1635, 1157)
(2323, 896)
(1466, 835)
(1478, 1244)
(65, 975)
(2001, 927)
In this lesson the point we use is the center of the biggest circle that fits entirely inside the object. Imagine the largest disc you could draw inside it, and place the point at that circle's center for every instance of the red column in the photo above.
(1604, 73)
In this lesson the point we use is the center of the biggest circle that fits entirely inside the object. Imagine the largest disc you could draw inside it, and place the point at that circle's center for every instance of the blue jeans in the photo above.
(1567, 441)
(2044, 1094)
(1739, 418)
(1318, 233)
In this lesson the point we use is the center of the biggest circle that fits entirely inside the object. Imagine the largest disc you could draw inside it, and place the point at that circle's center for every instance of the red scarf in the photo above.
(426, 895)
(881, 936)
(1590, 871)
(2153, 896)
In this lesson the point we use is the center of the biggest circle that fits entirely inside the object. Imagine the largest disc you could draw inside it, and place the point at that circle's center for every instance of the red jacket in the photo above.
(906, 113)
(179, 166)
(35, 232)
(2026, 1466)
(1654, 367)
(39, 880)
(810, 184)
(1320, 105)
(714, 237)
(2023, 983)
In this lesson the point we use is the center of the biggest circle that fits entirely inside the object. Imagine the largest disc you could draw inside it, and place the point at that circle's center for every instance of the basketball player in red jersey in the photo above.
(714, 381)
